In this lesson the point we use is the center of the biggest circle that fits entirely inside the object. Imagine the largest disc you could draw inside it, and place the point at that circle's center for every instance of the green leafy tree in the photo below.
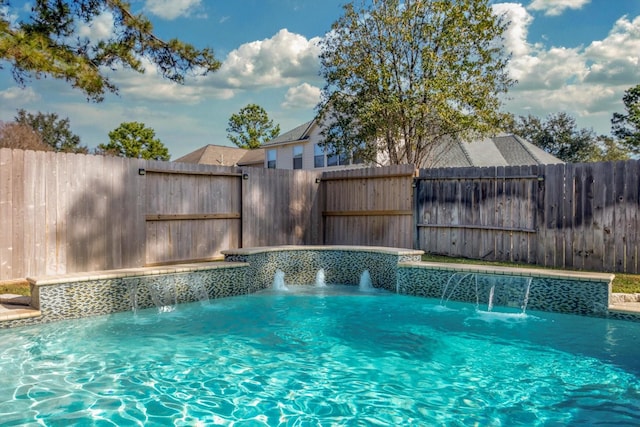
(54, 132)
(401, 76)
(134, 140)
(558, 135)
(251, 127)
(609, 149)
(626, 127)
(48, 43)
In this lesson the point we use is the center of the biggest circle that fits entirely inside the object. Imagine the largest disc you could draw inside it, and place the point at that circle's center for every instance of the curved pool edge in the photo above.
(247, 270)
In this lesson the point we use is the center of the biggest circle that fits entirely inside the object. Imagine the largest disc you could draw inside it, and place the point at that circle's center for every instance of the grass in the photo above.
(622, 283)
(16, 287)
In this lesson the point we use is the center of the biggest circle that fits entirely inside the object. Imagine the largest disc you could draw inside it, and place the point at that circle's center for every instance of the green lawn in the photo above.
(623, 283)
(19, 287)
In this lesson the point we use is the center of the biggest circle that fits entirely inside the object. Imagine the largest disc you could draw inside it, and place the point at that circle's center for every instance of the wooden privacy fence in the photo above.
(482, 213)
(370, 206)
(574, 216)
(63, 213)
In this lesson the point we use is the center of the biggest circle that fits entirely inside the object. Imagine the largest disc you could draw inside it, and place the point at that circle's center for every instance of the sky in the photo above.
(574, 56)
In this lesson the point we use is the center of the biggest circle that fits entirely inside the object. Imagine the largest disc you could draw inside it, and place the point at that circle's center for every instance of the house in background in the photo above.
(222, 155)
(300, 148)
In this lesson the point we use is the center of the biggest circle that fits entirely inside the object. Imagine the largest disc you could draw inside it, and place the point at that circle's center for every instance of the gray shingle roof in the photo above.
(502, 150)
(297, 134)
(219, 155)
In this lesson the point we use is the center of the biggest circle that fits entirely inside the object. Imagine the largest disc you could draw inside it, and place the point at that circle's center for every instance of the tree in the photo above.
(53, 131)
(558, 135)
(626, 127)
(402, 76)
(49, 44)
(21, 136)
(251, 127)
(134, 140)
(609, 150)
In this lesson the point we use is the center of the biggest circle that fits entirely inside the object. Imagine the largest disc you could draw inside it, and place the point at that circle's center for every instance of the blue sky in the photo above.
(577, 56)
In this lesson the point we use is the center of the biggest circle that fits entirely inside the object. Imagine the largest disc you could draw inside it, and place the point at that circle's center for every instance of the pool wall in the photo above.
(252, 269)
(90, 294)
(550, 290)
(341, 264)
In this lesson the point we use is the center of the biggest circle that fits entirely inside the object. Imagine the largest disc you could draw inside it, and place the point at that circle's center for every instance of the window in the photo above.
(334, 159)
(357, 154)
(271, 159)
(318, 156)
(297, 156)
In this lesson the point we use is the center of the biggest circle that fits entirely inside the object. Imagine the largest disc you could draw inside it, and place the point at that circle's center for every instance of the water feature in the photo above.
(278, 281)
(132, 290)
(199, 290)
(493, 291)
(455, 279)
(261, 359)
(320, 279)
(365, 285)
(163, 294)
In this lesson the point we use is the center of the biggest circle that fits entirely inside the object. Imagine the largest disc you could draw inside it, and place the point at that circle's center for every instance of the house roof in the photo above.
(299, 133)
(220, 155)
(501, 150)
(253, 157)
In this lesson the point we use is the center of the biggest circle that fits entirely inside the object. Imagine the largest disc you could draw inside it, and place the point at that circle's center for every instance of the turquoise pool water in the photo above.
(322, 356)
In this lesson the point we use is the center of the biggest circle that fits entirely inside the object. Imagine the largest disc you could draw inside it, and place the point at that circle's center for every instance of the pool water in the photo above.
(322, 356)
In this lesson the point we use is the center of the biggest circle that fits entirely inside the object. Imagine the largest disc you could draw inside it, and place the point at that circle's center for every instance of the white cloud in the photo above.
(100, 28)
(616, 59)
(17, 95)
(283, 60)
(556, 7)
(587, 82)
(519, 20)
(172, 9)
(301, 96)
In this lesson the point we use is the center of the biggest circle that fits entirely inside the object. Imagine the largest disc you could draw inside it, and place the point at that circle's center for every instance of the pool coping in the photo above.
(132, 272)
(512, 271)
(345, 248)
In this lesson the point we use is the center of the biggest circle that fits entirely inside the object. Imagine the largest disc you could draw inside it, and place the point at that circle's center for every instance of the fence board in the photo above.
(6, 214)
(631, 215)
(18, 211)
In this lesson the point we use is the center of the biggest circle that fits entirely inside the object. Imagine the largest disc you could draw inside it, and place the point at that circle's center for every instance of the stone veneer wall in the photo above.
(550, 290)
(342, 265)
(76, 296)
(250, 270)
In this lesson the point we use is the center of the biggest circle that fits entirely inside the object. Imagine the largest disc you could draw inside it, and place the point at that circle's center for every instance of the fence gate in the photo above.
(191, 215)
(370, 207)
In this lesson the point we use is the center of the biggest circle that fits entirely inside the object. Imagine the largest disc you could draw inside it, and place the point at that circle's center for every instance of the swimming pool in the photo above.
(322, 356)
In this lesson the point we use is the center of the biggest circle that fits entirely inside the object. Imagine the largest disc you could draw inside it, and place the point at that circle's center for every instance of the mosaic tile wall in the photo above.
(96, 297)
(559, 295)
(340, 266)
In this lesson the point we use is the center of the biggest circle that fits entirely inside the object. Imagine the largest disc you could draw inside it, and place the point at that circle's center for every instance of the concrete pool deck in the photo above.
(17, 311)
